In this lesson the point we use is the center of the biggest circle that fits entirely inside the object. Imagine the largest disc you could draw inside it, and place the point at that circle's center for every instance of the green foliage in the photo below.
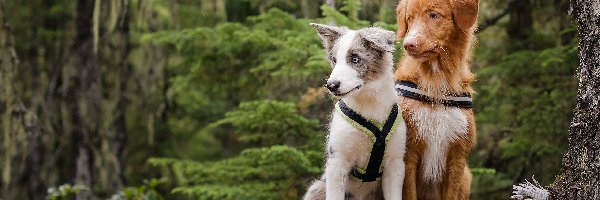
(269, 123)
(352, 7)
(259, 173)
(524, 105)
(281, 150)
(282, 4)
(65, 191)
(491, 186)
(341, 19)
(478, 171)
(147, 191)
(209, 19)
(234, 62)
(215, 69)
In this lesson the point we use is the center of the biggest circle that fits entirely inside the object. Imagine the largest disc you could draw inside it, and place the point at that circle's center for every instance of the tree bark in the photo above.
(114, 58)
(83, 96)
(579, 178)
(21, 132)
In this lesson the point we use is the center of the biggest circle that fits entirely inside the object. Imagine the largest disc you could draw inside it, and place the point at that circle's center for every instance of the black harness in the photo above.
(373, 169)
(411, 90)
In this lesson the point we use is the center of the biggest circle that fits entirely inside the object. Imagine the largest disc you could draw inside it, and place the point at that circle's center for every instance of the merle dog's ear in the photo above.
(379, 38)
(328, 34)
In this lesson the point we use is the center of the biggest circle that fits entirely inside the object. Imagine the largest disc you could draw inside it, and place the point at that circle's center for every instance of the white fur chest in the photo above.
(438, 127)
(347, 141)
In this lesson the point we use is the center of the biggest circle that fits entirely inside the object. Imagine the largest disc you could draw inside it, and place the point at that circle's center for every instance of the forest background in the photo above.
(223, 99)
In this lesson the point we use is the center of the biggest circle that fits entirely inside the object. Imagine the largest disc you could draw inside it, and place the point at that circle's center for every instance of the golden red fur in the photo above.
(439, 35)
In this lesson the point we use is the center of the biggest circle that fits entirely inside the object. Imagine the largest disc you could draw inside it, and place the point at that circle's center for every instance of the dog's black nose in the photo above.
(333, 86)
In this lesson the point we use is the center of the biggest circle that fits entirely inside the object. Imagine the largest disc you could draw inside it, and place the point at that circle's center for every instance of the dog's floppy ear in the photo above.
(379, 38)
(328, 34)
(401, 19)
(465, 13)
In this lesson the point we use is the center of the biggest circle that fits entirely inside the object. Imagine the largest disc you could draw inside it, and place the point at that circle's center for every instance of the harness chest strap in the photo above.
(379, 135)
(411, 90)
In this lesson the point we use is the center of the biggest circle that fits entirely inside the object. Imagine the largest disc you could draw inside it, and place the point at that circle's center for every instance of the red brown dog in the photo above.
(433, 79)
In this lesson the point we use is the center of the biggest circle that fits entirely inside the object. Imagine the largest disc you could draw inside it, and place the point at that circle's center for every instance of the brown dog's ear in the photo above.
(401, 19)
(328, 34)
(378, 38)
(465, 13)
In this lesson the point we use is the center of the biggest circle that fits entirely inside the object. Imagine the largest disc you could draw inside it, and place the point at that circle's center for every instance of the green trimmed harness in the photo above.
(379, 134)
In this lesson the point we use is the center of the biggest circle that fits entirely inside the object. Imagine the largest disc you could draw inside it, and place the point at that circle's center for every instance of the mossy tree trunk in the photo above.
(95, 99)
(580, 177)
(20, 130)
(82, 98)
(79, 81)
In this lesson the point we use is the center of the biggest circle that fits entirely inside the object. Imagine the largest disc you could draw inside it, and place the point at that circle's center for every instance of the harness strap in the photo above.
(411, 90)
(373, 169)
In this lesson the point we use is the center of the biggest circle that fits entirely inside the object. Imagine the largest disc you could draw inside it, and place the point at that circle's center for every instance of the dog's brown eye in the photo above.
(433, 15)
(355, 59)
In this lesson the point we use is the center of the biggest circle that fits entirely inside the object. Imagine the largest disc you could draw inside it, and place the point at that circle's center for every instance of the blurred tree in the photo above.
(520, 26)
(330, 3)
(21, 133)
(310, 8)
(82, 95)
(238, 10)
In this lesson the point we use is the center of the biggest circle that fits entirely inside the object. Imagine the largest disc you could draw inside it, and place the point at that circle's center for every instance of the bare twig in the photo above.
(493, 20)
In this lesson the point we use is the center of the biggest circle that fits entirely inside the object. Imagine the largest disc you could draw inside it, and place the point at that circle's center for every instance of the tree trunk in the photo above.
(238, 11)
(21, 133)
(309, 8)
(520, 25)
(579, 177)
(330, 3)
(114, 54)
(215, 6)
(83, 96)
